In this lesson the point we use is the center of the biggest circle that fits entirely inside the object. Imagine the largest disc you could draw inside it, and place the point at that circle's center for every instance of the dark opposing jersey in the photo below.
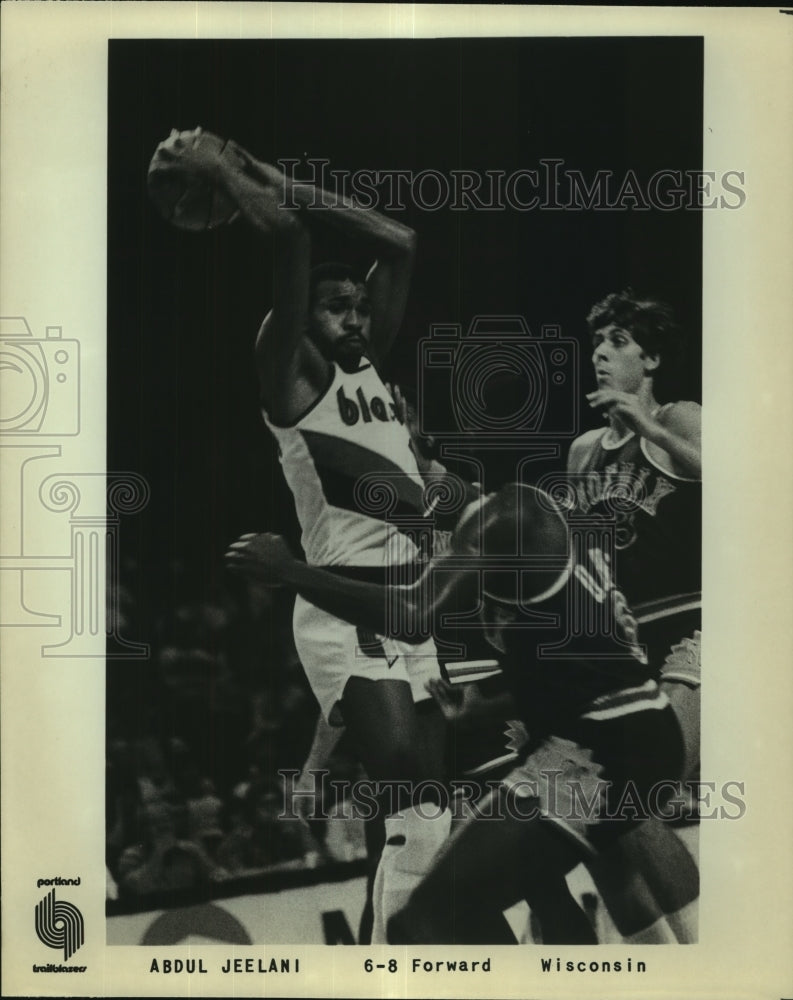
(656, 517)
(573, 655)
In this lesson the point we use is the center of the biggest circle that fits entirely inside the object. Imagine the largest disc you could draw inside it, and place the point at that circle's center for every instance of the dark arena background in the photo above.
(200, 724)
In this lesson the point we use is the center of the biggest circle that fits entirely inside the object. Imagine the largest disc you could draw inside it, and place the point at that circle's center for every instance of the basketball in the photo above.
(183, 197)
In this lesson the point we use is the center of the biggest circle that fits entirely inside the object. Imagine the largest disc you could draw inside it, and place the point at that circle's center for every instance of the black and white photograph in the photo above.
(369, 332)
(383, 586)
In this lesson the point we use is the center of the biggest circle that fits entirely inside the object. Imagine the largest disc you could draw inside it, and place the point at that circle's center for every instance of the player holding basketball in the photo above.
(598, 721)
(642, 472)
(339, 433)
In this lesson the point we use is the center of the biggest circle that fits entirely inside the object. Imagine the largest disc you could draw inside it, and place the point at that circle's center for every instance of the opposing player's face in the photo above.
(341, 320)
(620, 363)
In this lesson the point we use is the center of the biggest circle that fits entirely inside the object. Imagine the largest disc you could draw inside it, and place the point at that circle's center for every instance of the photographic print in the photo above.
(358, 543)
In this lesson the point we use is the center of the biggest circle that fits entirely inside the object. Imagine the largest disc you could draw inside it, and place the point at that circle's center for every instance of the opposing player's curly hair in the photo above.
(653, 326)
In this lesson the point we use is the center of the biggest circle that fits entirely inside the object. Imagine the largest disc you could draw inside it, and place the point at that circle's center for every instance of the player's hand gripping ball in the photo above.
(184, 183)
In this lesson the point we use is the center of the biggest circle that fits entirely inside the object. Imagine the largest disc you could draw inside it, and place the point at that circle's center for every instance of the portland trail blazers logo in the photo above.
(59, 924)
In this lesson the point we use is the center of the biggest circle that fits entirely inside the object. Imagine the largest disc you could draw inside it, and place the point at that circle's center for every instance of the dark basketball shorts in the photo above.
(616, 769)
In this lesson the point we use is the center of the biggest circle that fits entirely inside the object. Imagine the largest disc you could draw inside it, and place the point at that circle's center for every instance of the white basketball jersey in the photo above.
(353, 476)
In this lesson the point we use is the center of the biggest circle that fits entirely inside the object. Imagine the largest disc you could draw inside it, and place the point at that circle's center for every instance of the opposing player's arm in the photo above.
(402, 612)
(372, 606)
(680, 437)
(675, 432)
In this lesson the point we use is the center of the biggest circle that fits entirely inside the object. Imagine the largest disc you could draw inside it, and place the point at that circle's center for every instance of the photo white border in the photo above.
(53, 137)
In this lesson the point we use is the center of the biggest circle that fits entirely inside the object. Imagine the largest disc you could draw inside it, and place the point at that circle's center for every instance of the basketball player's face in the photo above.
(620, 363)
(341, 320)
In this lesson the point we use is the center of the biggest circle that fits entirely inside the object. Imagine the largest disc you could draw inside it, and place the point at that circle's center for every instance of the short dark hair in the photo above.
(652, 325)
(333, 270)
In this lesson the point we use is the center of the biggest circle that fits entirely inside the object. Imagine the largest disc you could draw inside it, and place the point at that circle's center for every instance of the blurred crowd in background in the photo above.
(197, 733)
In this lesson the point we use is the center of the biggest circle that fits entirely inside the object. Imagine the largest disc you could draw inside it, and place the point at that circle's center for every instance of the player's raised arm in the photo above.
(293, 369)
(388, 283)
(389, 241)
(291, 373)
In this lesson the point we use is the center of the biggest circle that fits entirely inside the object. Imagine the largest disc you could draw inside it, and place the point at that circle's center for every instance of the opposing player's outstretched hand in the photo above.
(627, 408)
(264, 557)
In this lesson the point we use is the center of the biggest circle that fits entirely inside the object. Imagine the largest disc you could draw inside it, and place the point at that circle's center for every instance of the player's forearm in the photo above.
(270, 200)
(383, 610)
(386, 237)
(686, 455)
(258, 200)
